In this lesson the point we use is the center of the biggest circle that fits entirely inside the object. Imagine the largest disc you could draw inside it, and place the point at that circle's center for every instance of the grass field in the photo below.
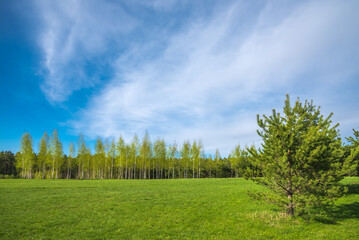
(159, 209)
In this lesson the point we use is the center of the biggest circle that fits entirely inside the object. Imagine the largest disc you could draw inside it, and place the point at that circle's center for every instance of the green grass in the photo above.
(159, 209)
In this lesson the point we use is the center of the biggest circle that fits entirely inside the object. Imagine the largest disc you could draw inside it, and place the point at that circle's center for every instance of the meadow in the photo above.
(160, 209)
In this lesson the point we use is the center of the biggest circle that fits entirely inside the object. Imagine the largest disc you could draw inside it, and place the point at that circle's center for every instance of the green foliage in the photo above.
(300, 158)
(186, 155)
(110, 156)
(99, 160)
(196, 153)
(70, 160)
(351, 161)
(7, 164)
(144, 159)
(160, 209)
(82, 152)
(25, 160)
(56, 155)
(43, 156)
(159, 157)
(133, 157)
(172, 156)
(121, 158)
(240, 162)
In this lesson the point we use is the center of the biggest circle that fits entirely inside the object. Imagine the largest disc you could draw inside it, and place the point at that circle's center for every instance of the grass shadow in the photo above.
(352, 188)
(334, 214)
(341, 212)
(345, 211)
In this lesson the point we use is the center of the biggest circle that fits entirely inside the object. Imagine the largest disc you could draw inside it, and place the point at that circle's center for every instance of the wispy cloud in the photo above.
(76, 36)
(209, 78)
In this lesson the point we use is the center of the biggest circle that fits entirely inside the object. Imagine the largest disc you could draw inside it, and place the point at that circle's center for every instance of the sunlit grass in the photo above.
(159, 209)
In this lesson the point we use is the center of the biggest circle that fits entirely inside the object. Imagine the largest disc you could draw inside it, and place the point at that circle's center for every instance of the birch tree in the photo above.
(133, 154)
(70, 160)
(99, 159)
(111, 155)
(43, 154)
(173, 153)
(217, 162)
(145, 155)
(121, 158)
(25, 160)
(81, 156)
(185, 157)
(159, 150)
(56, 154)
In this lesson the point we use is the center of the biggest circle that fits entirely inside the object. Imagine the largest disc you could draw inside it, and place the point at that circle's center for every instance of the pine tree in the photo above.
(300, 158)
(352, 160)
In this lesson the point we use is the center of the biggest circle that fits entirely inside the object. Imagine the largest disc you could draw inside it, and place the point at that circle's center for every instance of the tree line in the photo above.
(111, 159)
(137, 159)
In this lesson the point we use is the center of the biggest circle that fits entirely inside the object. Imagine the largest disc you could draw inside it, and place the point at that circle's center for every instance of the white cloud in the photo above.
(213, 78)
(75, 33)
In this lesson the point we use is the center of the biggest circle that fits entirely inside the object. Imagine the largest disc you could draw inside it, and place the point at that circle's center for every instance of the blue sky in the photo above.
(178, 69)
